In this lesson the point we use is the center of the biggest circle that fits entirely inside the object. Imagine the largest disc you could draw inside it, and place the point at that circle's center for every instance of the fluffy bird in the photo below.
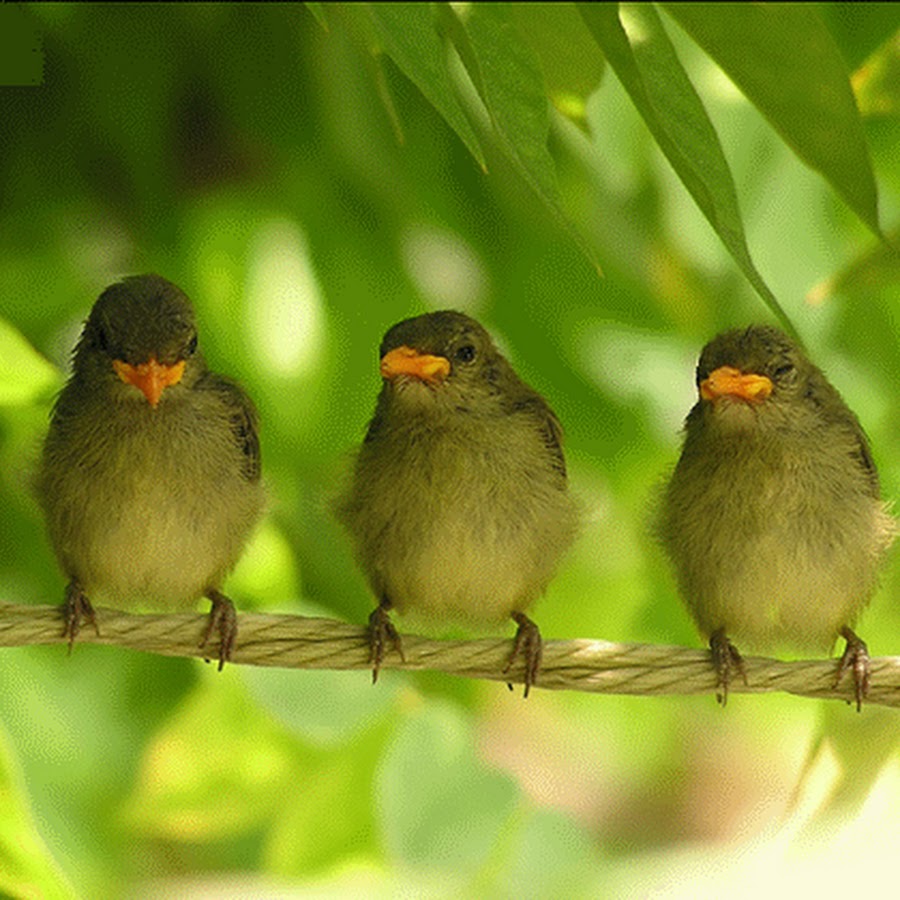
(150, 475)
(773, 516)
(458, 505)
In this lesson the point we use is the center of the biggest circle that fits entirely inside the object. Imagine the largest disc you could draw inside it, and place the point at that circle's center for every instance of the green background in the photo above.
(311, 175)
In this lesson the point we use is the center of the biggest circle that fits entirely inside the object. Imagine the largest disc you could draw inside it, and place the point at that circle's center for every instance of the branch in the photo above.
(601, 667)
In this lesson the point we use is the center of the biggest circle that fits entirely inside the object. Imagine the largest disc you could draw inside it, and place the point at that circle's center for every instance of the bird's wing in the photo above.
(864, 454)
(242, 418)
(551, 429)
(838, 412)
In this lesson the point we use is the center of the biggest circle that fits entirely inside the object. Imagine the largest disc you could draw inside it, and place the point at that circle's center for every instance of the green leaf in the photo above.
(512, 87)
(25, 375)
(218, 768)
(645, 62)
(323, 708)
(787, 64)
(409, 37)
(877, 83)
(858, 28)
(549, 856)
(439, 806)
(508, 78)
(318, 14)
(568, 54)
(326, 813)
(26, 867)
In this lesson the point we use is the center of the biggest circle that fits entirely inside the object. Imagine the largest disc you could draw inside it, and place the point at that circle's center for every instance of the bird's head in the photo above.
(442, 358)
(752, 376)
(140, 339)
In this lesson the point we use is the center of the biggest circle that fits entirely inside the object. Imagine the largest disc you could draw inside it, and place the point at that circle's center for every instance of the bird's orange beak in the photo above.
(150, 378)
(727, 381)
(406, 361)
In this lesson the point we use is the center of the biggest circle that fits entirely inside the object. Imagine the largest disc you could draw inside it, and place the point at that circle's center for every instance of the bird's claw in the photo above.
(381, 633)
(529, 645)
(856, 659)
(726, 660)
(223, 619)
(77, 609)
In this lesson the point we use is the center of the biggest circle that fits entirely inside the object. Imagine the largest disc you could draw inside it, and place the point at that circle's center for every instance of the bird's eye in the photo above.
(192, 346)
(102, 340)
(783, 371)
(465, 354)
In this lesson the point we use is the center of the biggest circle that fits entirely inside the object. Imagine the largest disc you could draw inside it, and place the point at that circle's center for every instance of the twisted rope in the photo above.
(594, 666)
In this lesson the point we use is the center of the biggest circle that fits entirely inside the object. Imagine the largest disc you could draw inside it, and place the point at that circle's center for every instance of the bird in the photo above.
(773, 516)
(150, 475)
(458, 504)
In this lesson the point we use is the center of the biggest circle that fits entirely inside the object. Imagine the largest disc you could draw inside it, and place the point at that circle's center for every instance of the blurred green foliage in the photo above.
(310, 177)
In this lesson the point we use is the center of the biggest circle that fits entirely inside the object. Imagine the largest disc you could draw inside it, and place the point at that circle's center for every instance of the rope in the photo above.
(594, 666)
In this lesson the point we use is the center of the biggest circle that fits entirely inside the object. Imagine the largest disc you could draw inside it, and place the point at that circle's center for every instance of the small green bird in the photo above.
(150, 476)
(773, 516)
(459, 506)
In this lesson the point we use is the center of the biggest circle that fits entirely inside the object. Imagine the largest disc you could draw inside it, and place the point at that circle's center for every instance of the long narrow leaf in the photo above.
(409, 37)
(785, 61)
(318, 14)
(509, 80)
(645, 62)
(568, 54)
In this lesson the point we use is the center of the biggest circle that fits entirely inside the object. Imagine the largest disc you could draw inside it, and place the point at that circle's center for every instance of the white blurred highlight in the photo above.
(632, 25)
(805, 855)
(284, 302)
(646, 368)
(444, 268)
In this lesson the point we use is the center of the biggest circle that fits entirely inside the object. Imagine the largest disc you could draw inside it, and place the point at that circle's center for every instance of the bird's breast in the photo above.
(464, 523)
(778, 543)
(152, 508)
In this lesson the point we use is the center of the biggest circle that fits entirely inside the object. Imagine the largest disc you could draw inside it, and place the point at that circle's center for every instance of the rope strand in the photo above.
(595, 666)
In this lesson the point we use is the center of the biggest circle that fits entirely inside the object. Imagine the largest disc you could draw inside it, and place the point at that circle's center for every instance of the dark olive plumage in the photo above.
(773, 516)
(148, 506)
(136, 317)
(459, 507)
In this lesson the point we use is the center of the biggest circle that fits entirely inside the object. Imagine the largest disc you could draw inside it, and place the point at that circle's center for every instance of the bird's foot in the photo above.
(382, 633)
(77, 609)
(223, 619)
(855, 658)
(726, 661)
(529, 645)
